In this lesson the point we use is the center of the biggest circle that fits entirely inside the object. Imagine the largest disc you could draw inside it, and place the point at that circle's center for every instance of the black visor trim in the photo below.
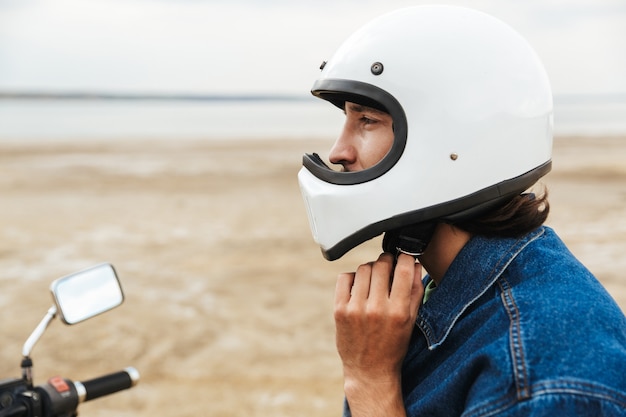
(461, 208)
(339, 91)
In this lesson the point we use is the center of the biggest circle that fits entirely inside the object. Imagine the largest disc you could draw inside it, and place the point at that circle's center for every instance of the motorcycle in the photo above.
(77, 297)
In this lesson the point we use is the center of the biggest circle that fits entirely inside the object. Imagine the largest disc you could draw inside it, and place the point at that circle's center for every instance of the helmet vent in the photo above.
(377, 68)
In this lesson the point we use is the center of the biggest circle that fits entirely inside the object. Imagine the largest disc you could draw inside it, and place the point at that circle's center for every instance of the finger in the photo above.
(381, 276)
(361, 285)
(417, 291)
(343, 287)
(403, 278)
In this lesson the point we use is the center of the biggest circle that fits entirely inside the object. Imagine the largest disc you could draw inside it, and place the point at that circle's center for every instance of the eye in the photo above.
(366, 120)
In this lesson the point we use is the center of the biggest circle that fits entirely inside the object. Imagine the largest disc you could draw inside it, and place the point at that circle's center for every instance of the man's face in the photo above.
(366, 138)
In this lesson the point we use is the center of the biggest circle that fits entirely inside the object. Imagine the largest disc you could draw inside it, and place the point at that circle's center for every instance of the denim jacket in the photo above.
(517, 327)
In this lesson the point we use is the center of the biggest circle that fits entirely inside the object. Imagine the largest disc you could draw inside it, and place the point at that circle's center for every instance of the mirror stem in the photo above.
(32, 340)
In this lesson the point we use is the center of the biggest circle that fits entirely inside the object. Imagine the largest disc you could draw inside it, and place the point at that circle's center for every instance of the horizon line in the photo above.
(182, 96)
(104, 95)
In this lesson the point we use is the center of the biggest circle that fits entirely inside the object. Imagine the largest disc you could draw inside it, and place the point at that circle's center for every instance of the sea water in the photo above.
(144, 119)
(52, 119)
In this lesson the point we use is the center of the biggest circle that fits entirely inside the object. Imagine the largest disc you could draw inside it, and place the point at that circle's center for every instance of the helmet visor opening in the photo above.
(366, 97)
(366, 137)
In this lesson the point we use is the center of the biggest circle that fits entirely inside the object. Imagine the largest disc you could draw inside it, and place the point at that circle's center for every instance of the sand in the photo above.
(228, 299)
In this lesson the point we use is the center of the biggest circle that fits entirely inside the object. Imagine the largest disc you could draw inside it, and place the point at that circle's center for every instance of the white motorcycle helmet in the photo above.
(472, 116)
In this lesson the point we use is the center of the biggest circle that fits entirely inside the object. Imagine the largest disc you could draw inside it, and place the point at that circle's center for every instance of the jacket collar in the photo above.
(474, 270)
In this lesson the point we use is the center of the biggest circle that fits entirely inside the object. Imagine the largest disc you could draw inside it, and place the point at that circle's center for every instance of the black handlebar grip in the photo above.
(107, 384)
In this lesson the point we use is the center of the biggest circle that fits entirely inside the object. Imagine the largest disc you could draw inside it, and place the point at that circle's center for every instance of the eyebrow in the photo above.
(360, 109)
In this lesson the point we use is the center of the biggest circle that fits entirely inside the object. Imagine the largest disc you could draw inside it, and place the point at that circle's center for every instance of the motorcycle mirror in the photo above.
(87, 293)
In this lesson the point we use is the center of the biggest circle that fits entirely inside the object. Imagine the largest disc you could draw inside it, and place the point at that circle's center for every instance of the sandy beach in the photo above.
(228, 307)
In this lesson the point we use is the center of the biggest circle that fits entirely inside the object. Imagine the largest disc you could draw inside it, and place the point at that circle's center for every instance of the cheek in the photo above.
(388, 141)
(381, 146)
(375, 149)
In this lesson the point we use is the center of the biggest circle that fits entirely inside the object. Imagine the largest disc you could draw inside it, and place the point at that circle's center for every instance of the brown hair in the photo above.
(522, 214)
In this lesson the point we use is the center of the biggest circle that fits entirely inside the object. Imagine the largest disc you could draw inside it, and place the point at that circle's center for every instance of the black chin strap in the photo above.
(411, 240)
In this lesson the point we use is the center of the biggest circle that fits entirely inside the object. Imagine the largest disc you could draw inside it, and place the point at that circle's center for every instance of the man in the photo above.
(448, 123)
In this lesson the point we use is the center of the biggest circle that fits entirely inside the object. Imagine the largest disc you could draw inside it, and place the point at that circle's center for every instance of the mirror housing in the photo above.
(87, 293)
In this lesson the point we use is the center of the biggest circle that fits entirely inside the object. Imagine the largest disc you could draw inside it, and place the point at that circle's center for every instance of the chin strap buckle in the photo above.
(411, 246)
(411, 240)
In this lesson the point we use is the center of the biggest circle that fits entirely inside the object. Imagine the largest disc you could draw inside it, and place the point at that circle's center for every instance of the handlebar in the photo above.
(107, 384)
(61, 396)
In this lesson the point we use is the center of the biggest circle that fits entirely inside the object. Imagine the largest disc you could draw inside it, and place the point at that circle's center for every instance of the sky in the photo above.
(267, 46)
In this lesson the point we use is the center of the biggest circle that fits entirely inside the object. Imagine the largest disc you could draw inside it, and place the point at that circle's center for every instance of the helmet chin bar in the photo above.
(411, 232)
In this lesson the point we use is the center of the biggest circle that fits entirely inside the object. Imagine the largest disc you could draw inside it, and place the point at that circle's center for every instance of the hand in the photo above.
(375, 316)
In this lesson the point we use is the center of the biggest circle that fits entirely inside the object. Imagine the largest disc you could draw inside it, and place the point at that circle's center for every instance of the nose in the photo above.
(343, 151)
